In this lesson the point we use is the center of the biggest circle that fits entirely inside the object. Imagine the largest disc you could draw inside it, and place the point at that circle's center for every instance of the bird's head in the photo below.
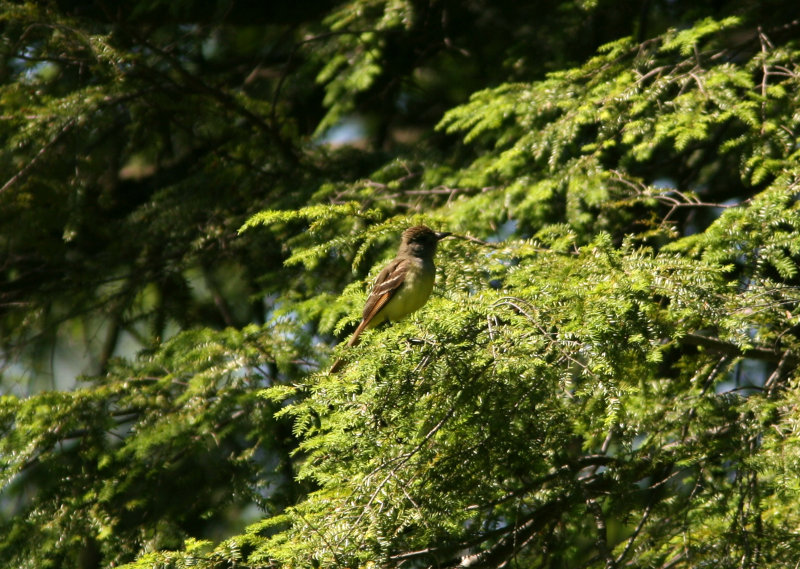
(421, 240)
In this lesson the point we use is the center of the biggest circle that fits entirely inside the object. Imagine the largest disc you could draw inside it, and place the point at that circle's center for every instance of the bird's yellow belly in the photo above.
(412, 295)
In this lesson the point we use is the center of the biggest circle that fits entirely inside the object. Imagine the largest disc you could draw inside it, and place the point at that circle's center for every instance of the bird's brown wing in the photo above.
(387, 283)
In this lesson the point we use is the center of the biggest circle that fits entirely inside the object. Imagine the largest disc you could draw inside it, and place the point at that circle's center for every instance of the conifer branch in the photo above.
(730, 349)
(62, 131)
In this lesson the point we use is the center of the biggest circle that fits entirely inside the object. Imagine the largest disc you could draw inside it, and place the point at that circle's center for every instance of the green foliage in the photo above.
(593, 132)
(185, 420)
(605, 375)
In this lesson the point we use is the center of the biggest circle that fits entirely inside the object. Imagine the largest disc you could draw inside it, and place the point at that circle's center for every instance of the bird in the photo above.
(404, 285)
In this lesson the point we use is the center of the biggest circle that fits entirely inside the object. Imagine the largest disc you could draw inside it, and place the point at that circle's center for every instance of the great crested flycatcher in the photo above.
(403, 285)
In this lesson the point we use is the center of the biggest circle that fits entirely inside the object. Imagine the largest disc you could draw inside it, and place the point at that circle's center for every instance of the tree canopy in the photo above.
(195, 197)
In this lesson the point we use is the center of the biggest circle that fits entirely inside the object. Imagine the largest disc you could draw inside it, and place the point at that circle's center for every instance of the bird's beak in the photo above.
(442, 234)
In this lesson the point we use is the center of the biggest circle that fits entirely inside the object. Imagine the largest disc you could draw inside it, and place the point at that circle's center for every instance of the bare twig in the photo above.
(476, 240)
(635, 534)
(784, 365)
(39, 155)
(729, 349)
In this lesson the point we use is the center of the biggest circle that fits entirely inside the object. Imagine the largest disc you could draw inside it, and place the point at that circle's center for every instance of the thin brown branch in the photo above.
(39, 155)
(786, 363)
(636, 531)
(730, 349)
(514, 540)
(601, 539)
(476, 240)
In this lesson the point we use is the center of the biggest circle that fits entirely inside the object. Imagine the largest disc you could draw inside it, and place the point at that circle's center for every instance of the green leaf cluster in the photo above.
(181, 421)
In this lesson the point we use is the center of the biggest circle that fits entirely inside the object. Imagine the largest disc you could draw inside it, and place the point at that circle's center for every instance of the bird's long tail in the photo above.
(353, 341)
